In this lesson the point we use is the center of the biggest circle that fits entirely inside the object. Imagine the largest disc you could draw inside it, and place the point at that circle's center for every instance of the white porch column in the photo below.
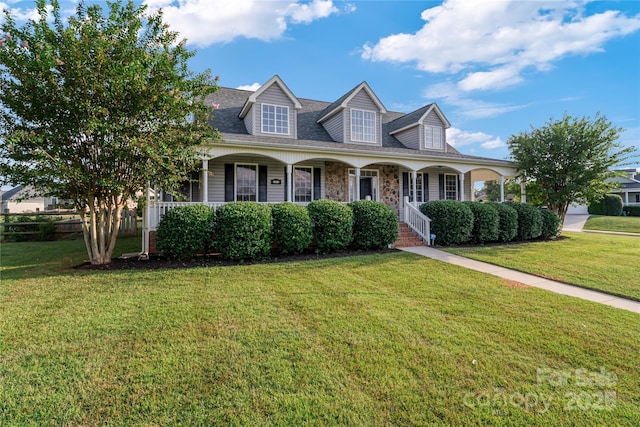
(205, 181)
(523, 191)
(626, 197)
(289, 183)
(356, 196)
(461, 175)
(414, 185)
(145, 224)
(501, 189)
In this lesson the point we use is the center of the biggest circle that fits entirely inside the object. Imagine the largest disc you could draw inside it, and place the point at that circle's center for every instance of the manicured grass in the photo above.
(601, 262)
(390, 339)
(626, 224)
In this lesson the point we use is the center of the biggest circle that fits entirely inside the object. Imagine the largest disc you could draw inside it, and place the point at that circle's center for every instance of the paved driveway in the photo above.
(574, 222)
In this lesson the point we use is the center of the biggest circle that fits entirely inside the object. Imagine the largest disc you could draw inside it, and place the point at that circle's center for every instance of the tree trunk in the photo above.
(100, 225)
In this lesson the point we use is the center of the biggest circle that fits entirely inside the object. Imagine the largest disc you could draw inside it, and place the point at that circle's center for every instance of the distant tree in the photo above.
(570, 159)
(94, 108)
(512, 186)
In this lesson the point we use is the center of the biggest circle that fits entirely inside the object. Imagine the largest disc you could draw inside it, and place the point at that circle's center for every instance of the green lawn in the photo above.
(626, 224)
(602, 262)
(391, 339)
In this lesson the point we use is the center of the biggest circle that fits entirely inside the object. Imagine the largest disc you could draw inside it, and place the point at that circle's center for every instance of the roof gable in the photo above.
(416, 118)
(344, 100)
(273, 80)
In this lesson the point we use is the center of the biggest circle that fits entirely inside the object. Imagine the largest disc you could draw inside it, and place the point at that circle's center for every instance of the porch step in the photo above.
(407, 238)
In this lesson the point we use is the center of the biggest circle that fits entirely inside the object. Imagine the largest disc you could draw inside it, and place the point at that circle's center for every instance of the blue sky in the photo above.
(495, 67)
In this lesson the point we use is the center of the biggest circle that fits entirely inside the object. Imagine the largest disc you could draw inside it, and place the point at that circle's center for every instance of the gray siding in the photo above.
(335, 127)
(411, 137)
(275, 170)
(362, 101)
(274, 96)
(249, 121)
(432, 119)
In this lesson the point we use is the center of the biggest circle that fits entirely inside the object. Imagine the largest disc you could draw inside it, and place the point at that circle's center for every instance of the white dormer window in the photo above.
(363, 126)
(275, 119)
(433, 137)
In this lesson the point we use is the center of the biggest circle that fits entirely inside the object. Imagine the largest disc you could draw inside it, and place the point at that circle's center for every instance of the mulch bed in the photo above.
(156, 262)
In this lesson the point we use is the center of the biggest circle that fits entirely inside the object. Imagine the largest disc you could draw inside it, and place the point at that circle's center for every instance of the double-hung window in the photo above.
(433, 137)
(246, 182)
(363, 126)
(303, 184)
(275, 119)
(451, 187)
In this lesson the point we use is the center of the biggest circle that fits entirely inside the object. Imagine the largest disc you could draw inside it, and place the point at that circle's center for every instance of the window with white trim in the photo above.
(363, 126)
(275, 119)
(433, 137)
(246, 182)
(303, 184)
(451, 187)
(420, 187)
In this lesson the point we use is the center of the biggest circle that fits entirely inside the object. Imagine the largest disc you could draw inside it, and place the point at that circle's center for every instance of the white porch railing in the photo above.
(417, 221)
(157, 209)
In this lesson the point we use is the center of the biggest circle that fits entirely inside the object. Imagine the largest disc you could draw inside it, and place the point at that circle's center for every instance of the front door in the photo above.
(366, 188)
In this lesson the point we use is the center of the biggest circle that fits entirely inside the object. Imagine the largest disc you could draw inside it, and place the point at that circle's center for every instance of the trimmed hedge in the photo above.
(632, 210)
(507, 222)
(550, 224)
(451, 221)
(291, 230)
(332, 224)
(529, 221)
(243, 230)
(375, 225)
(610, 205)
(485, 222)
(185, 232)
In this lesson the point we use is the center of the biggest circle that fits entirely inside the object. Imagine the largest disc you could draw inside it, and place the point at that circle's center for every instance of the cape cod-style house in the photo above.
(277, 147)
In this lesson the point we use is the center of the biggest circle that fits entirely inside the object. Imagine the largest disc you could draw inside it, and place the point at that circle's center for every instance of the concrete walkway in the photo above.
(527, 279)
(574, 222)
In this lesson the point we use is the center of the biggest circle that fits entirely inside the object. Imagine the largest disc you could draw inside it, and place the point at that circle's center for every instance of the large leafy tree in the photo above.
(97, 107)
(570, 159)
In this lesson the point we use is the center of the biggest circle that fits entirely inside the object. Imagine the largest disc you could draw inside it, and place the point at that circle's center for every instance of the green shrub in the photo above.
(243, 230)
(507, 222)
(42, 228)
(375, 225)
(550, 224)
(610, 205)
(332, 225)
(632, 210)
(185, 232)
(451, 221)
(529, 221)
(485, 222)
(291, 227)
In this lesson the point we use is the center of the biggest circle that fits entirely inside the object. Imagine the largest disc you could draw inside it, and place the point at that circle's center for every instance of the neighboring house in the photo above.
(629, 186)
(277, 147)
(20, 199)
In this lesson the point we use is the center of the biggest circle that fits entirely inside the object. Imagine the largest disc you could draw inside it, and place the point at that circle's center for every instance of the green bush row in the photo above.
(632, 210)
(248, 230)
(610, 205)
(455, 222)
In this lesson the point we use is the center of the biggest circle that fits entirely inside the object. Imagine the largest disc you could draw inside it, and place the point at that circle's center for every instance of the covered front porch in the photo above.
(228, 174)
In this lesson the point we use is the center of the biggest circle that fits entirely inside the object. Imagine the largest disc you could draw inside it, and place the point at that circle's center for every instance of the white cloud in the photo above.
(490, 43)
(459, 138)
(252, 87)
(467, 107)
(205, 22)
(21, 14)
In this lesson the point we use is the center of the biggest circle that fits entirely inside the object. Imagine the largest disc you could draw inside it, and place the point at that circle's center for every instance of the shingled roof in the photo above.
(226, 119)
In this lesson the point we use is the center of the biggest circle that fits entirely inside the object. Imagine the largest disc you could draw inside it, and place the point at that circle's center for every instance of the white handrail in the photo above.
(417, 221)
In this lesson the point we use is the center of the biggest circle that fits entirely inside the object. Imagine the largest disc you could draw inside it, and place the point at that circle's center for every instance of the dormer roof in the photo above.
(254, 96)
(344, 100)
(416, 118)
